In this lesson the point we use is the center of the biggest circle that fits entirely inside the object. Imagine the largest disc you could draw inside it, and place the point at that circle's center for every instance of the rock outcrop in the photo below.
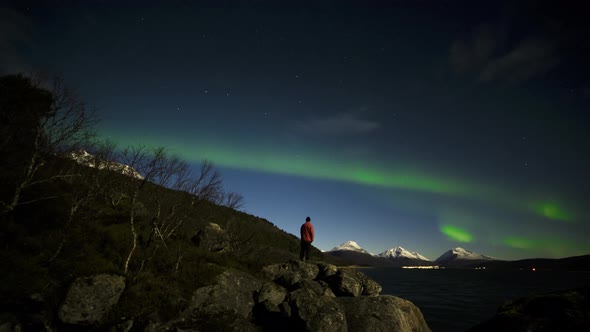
(271, 296)
(350, 282)
(226, 305)
(233, 291)
(384, 313)
(558, 311)
(322, 297)
(316, 312)
(294, 296)
(290, 273)
(212, 238)
(89, 299)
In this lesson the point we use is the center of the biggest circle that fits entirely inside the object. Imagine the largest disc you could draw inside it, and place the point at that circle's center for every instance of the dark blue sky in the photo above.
(425, 124)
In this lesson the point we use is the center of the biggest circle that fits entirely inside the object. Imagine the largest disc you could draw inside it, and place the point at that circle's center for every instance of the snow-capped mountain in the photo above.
(351, 253)
(82, 157)
(350, 246)
(399, 252)
(460, 256)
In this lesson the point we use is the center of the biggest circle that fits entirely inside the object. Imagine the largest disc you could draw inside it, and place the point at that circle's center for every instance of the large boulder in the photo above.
(272, 311)
(350, 282)
(224, 321)
(384, 313)
(315, 286)
(326, 270)
(559, 311)
(271, 295)
(290, 273)
(89, 299)
(370, 286)
(212, 238)
(233, 291)
(226, 305)
(316, 313)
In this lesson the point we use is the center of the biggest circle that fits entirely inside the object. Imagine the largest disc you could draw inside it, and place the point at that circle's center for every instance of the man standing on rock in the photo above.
(306, 239)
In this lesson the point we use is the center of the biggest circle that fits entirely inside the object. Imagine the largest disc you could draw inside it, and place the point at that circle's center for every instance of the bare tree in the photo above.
(69, 126)
(173, 173)
(149, 163)
(233, 200)
(57, 125)
(84, 190)
(208, 184)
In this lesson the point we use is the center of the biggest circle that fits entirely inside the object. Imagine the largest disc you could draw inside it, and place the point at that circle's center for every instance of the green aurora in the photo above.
(327, 167)
(552, 211)
(323, 166)
(555, 246)
(456, 234)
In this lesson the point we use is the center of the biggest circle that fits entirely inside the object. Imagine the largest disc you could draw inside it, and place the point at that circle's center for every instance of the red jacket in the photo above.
(307, 232)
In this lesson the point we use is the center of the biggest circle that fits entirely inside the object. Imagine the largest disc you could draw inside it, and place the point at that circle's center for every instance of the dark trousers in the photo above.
(305, 248)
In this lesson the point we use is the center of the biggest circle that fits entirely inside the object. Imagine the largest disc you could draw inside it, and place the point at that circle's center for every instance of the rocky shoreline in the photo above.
(293, 296)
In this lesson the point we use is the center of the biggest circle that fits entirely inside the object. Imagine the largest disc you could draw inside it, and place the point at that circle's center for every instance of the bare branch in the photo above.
(234, 201)
(37, 200)
(45, 120)
(208, 184)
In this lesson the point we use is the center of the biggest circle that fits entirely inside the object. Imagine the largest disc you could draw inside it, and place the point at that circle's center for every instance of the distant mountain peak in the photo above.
(399, 252)
(460, 254)
(350, 246)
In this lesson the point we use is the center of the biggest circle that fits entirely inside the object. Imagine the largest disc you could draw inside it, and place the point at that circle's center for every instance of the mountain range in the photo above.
(351, 252)
(398, 256)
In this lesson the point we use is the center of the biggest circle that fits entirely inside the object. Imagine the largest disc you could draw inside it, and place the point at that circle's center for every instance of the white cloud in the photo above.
(528, 59)
(486, 57)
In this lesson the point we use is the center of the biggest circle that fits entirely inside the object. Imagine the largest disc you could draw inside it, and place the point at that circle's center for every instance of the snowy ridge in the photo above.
(462, 254)
(82, 157)
(398, 256)
(350, 246)
(399, 252)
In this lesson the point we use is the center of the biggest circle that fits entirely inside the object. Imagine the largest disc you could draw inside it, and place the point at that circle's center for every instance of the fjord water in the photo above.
(456, 300)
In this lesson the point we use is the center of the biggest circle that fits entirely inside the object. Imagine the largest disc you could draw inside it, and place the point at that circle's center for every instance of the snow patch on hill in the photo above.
(82, 157)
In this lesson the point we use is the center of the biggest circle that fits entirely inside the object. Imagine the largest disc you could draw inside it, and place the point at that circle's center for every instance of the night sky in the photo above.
(422, 124)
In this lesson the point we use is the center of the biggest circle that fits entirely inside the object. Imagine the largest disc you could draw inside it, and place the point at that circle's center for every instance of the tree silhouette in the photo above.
(37, 123)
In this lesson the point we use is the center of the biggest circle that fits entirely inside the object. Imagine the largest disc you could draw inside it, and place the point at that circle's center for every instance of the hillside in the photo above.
(576, 263)
(84, 227)
(129, 235)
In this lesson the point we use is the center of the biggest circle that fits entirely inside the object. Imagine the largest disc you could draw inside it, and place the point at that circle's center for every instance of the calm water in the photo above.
(455, 300)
